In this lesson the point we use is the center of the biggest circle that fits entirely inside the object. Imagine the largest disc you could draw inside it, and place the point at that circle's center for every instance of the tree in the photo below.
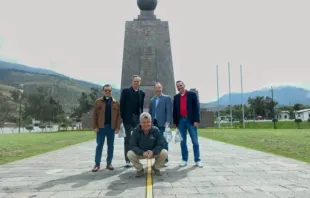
(43, 107)
(263, 106)
(6, 108)
(86, 102)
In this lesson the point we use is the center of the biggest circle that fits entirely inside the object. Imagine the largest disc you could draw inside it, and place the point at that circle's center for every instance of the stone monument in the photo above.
(147, 52)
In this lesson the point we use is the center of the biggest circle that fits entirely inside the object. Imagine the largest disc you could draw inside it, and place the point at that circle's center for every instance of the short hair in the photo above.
(106, 85)
(180, 81)
(145, 115)
(136, 76)
(158, 83)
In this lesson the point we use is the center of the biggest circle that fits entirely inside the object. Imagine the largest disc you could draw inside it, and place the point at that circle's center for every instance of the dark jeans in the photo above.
(185, 125)
(162, 130)
(108, 132)
(128, 129)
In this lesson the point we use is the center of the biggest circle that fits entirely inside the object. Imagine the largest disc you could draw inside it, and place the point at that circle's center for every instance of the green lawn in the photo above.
(18, 146)
(291, 143)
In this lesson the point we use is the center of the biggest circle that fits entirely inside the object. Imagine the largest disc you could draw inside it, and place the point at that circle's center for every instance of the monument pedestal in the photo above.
(147, 53)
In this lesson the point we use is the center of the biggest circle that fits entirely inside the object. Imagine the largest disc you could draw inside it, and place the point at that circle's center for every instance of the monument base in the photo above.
(147, 53)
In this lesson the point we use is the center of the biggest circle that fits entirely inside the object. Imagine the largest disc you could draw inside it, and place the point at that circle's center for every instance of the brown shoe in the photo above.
(156, 171)
(96, 168)
(110, 167)
(140, 173)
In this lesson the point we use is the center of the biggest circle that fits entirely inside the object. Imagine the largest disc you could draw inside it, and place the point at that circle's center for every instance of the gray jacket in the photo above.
(162, 111)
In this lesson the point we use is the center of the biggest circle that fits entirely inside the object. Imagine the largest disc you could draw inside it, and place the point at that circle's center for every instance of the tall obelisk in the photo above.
(147, 52)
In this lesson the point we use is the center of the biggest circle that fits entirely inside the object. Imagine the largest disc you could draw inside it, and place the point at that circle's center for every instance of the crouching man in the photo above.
(147, 142)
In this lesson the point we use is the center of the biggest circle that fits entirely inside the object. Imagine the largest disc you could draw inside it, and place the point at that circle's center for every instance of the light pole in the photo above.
(273, 111)
(21, 90)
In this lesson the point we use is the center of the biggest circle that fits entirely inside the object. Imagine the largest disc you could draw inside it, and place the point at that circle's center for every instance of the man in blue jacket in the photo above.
(186, 116)
(160, 109)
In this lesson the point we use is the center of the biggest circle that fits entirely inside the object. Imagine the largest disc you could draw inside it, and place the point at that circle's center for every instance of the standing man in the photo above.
(186, 116)
(160, 109)
(131, 103)
(106, 122)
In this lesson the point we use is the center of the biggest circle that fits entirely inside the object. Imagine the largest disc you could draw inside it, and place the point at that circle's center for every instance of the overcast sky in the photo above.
(84, 39)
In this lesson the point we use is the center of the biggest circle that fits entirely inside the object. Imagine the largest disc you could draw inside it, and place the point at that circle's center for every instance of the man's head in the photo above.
(145, 121)
(107, 90)
(136, 80)
(180, 86)
(158, 88)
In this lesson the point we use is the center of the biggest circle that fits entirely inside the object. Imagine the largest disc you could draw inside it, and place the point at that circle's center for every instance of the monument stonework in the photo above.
(147, 52)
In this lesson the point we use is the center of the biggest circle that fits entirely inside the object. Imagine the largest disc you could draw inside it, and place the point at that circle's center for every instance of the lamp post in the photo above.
(20, 106)
(273, 110)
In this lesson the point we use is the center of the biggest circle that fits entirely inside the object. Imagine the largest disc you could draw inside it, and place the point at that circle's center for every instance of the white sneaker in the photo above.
(198, 164)
(166, 164)
(183, 163)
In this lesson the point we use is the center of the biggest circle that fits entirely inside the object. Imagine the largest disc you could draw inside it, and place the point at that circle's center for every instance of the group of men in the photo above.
(144, 130)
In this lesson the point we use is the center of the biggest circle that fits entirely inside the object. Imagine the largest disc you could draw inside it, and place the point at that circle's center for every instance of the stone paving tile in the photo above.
(229, 171)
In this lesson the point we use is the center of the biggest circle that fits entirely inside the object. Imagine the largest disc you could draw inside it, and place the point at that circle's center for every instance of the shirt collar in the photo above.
(185, 91)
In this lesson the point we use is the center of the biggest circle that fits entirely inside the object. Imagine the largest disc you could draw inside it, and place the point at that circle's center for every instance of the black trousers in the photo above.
(128, 129)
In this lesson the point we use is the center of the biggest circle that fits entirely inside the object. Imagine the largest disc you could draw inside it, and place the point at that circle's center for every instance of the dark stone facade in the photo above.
(147, 52)
(206, 118)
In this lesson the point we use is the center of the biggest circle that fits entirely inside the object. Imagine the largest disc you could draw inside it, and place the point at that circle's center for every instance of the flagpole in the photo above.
(230, 106)
(241, 80)
(218, 97)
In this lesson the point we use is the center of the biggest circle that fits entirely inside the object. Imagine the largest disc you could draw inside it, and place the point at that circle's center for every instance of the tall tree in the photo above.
(6, 108)
(86, 102)
(42, 107)
(263, 106)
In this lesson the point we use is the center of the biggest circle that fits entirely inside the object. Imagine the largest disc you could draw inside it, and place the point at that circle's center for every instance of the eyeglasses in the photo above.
(108, 90)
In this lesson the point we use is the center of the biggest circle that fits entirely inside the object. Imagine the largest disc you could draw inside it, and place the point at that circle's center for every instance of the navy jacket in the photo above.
(140, 143)
(193, 108)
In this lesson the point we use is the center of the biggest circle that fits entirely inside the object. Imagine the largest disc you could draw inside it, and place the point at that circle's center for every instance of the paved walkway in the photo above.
(229, 171)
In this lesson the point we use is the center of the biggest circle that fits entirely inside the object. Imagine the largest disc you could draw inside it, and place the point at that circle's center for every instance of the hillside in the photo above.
(284, 95)
(63, 88)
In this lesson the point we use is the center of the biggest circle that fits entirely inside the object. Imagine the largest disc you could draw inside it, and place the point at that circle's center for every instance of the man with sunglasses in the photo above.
(106, 122)
(131, 103)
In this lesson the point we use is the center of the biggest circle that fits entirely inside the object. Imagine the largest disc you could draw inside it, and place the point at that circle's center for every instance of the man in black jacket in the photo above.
(131, 104)
(147, 142)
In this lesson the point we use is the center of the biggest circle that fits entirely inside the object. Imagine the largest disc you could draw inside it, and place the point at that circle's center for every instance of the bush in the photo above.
(42, 127)
(29, 128)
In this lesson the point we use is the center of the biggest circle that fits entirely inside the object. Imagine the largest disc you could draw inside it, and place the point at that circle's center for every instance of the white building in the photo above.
(304, 114)
(284, 115)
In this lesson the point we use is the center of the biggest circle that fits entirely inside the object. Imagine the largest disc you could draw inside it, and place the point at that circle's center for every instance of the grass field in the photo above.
(18, 146)
(291, 143)
(269, 125)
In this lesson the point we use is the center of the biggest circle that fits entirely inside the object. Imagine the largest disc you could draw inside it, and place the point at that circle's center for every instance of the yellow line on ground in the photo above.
(149, 180)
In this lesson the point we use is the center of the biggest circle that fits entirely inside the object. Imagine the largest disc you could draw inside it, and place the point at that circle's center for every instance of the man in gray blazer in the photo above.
(160, 109)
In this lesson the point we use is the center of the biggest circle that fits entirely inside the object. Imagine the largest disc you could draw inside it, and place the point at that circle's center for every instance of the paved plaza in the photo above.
(229, 171)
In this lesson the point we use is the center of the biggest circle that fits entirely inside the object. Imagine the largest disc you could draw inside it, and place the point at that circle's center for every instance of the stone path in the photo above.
(229, 171)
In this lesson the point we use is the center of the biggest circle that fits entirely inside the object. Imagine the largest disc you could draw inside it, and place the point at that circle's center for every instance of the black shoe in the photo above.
(128, 165)
(96, 168)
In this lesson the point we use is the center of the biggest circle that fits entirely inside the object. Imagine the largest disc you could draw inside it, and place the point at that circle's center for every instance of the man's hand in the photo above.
(150, 154)
(195, 124)
(146, 154)
(96, 130)
(117, 131)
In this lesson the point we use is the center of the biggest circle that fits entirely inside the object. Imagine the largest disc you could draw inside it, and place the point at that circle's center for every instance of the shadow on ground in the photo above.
(81, 180)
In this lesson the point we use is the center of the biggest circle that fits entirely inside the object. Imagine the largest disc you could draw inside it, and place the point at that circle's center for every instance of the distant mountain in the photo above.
(284, 95)
(67, 90)
(15, 66)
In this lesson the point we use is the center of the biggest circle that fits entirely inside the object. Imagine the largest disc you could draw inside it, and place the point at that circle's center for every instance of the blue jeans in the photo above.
(108, 132)
(162, 130)
(184, 125)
